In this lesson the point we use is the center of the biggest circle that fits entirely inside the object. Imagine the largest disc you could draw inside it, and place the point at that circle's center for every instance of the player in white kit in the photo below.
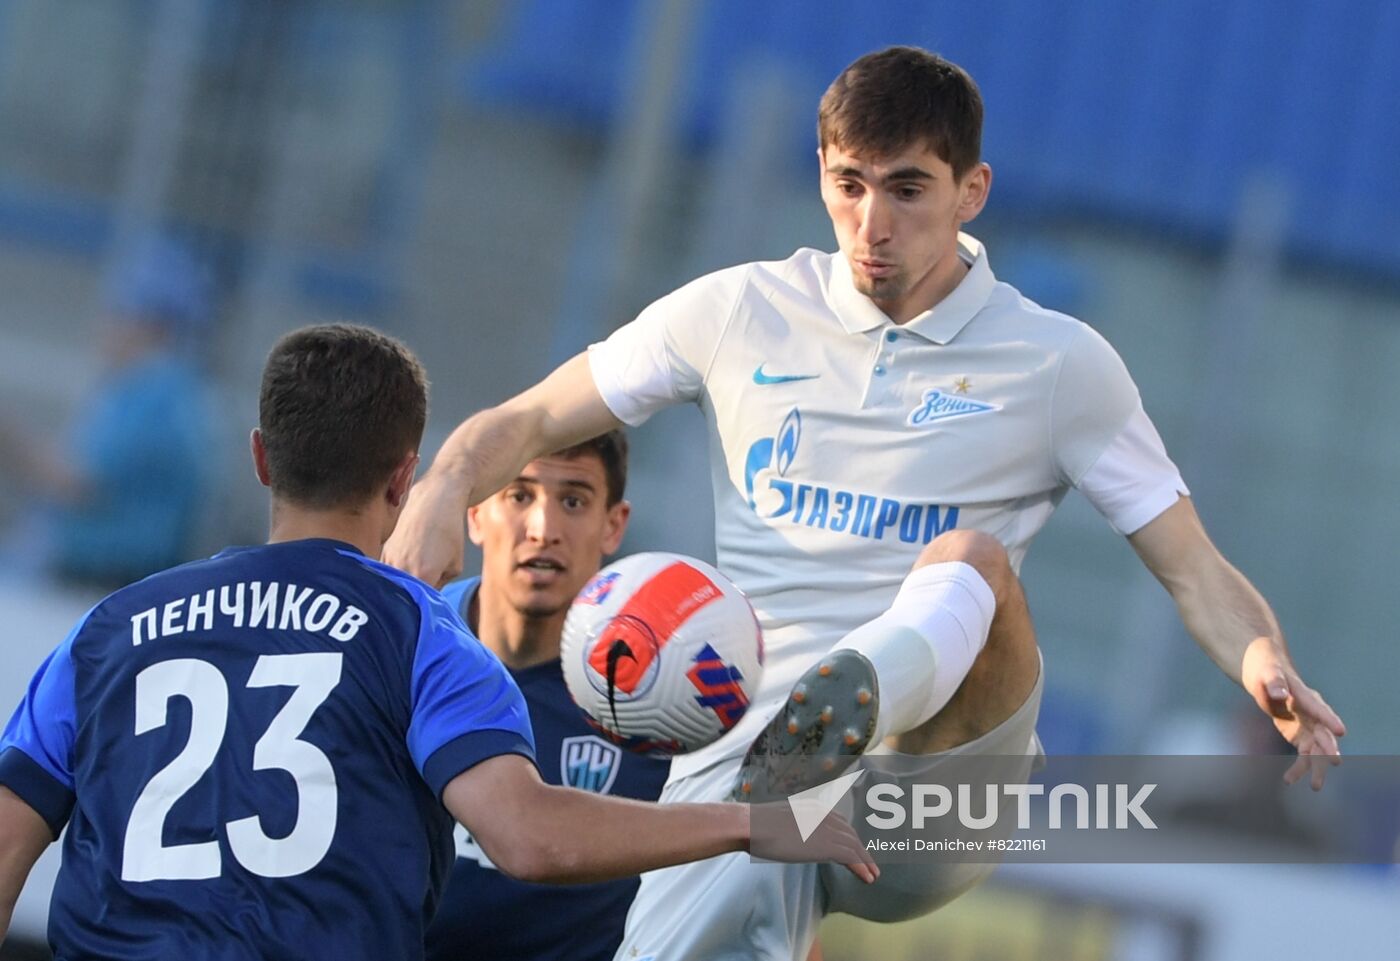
(889, 427)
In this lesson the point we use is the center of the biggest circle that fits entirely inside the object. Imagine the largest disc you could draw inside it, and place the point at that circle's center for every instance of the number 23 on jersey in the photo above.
(312, 676)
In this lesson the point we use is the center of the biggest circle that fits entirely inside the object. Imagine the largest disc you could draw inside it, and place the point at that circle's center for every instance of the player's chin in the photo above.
(882, 288)
(541, 604)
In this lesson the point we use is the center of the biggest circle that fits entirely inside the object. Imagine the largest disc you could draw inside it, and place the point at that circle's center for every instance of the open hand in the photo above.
(1301, 715)
(774, 837)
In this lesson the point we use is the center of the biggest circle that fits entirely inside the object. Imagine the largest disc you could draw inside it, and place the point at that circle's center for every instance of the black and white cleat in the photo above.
(826, 723)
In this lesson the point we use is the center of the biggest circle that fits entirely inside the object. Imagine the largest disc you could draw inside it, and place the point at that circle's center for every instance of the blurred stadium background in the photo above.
(499, 182)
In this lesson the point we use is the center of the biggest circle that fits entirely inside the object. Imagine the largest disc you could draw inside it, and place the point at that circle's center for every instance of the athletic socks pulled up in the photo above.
(924, 645)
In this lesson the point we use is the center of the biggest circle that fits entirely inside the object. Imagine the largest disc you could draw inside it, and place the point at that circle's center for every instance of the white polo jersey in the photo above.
(842, 443)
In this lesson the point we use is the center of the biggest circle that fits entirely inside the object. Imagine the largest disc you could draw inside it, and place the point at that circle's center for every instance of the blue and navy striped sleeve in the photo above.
(36, 750)
(465, 705)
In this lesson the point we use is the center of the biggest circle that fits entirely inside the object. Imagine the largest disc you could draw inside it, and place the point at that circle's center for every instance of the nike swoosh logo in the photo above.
(762, 379)
(616, 653)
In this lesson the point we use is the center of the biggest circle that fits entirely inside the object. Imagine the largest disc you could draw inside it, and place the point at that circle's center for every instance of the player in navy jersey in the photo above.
(542, 537)
(260, 754)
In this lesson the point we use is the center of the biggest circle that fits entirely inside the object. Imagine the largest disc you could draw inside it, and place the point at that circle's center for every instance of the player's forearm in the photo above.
(1219, 606)
(620, 838)
(23, 837)
(1225, 614)
(485, 452)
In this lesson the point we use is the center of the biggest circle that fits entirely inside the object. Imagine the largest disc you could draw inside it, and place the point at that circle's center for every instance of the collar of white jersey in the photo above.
(942, 322)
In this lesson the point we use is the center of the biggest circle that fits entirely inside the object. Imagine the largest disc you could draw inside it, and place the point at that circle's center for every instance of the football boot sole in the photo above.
(825, 724)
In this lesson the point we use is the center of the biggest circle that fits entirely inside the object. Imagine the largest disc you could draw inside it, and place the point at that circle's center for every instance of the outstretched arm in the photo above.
(23, 837)
(556, 835)
(1235, 626)
(484, 454)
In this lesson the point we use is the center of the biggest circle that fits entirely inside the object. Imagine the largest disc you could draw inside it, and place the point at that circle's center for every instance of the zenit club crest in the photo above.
(937, 405)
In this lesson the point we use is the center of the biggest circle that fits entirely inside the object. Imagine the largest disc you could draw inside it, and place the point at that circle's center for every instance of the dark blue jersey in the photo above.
(484, 913)
(249, 753)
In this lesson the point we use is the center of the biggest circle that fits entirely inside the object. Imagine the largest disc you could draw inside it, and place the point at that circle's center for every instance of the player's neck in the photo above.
(520, 641)
(362, 530)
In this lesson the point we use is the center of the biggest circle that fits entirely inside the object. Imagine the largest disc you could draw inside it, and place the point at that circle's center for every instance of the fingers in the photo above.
(863, 865)
(1314, 765)
(869, 872)
(775, 835)
(1317, 722)
(1271, 693)
(852, 847)
(445, 572)
(1318, 765)
(1296, 701)
(1310, 702)
(1325, 745)
(1317, 751)
(1277, 697)
(432, 557)
(842, 844)
(395, 553)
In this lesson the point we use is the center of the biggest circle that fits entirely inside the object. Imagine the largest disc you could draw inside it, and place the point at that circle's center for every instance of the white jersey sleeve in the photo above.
(1104, 442)
(662, 357)
(1133, 480)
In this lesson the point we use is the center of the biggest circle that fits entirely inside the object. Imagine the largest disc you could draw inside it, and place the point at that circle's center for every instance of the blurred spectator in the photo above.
(120, 496)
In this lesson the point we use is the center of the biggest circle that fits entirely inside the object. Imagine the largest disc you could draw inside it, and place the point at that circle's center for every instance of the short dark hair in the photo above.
(340, 406)
(611, 449)
(894, 98)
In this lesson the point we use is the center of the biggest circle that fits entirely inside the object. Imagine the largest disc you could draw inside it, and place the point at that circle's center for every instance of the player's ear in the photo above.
(473, 526)
(255, 444)
(973, 190)
(618, 515)
(402, 479)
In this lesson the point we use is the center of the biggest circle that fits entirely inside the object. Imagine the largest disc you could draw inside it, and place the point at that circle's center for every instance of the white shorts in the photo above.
(732, 908)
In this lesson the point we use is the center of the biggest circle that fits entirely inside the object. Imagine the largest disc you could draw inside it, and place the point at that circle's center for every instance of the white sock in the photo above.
(924, 645)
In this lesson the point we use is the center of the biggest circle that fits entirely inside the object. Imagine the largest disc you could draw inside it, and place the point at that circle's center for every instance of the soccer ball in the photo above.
(662, 652)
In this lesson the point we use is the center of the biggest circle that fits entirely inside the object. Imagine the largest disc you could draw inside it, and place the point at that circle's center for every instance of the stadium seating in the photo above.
(1137, 111)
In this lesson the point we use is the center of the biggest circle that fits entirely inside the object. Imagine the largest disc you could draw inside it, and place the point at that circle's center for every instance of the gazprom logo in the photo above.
(761, 453)
(789, 435)
(937, 405)
(842, 511)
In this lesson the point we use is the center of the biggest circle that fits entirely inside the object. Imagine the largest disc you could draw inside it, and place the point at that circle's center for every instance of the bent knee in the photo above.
(982, 552)
(970, 547)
